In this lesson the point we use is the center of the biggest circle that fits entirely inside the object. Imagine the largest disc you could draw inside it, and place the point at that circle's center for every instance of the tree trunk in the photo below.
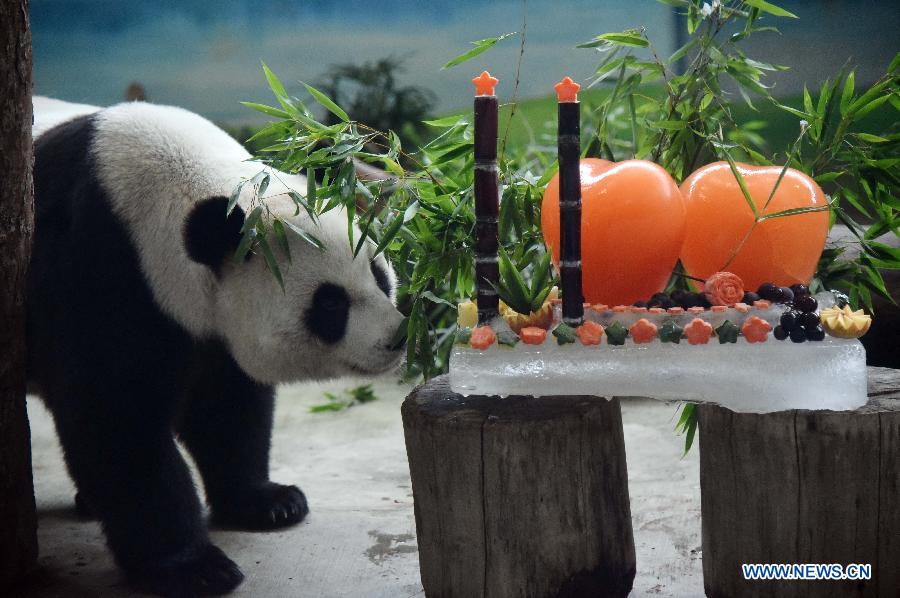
(18, 525)
(803, 487)
(519, 496)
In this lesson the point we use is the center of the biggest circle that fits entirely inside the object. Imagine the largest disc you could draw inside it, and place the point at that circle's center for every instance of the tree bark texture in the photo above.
(803, 487)
(18, 527)
(519, 496)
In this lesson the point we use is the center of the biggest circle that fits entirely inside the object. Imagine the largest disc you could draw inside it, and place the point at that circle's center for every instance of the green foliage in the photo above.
(687, 425)
(350, 397)
(518, 294)
(861, 172)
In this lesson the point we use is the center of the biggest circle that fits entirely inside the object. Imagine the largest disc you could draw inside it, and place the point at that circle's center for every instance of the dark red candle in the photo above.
(569, 156)
(487, 200)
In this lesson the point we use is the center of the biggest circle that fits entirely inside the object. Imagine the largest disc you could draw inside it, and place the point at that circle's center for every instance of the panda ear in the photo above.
(209, 236)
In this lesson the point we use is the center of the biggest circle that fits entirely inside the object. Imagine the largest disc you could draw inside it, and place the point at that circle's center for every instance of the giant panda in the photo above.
(142, 328)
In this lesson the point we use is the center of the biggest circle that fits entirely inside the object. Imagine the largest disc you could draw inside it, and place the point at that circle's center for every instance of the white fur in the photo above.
(49, 112)
(156, 163)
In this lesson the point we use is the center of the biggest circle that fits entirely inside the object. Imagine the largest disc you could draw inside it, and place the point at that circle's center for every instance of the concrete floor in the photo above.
(359, 540)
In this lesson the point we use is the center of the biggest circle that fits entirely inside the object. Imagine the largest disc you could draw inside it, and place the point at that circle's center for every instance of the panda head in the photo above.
(336, 315)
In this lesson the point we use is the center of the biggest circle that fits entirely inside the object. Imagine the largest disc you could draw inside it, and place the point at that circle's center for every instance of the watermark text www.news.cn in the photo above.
(806, 571)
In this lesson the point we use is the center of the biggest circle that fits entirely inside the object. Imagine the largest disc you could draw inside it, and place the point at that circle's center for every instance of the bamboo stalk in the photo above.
(487, 200)
(569, 155)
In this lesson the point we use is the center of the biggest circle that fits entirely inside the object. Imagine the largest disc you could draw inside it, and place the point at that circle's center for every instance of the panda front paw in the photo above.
(209, 573)
(267, 507)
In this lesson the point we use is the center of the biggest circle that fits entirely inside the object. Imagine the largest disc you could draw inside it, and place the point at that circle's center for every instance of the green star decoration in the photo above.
(671, 333)
(727, 332)
(564, 334)
(510, 339)
(616, 333)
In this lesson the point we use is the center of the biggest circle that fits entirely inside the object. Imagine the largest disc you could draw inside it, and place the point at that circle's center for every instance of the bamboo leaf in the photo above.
(770, 8)
(389, 234)
(312, 240)
(793, 212)
(481, 46)
(271, 262)
(274, 83)
(847, 94)
(235, 196)
(631, 38)
(269, 110)
(741, 184)
(327, 102)
(281, 237)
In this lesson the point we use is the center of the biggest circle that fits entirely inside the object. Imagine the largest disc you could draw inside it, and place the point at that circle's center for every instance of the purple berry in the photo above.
(657, 300)
(815, 333)
(789, 320)
(808, 320)
(640, 304)
(806, 303)
(769, 292)
(780, 333)
(690, 300)
(787, 295)
(798, 334)
(799, 289)
(703, 301)
(750, 297)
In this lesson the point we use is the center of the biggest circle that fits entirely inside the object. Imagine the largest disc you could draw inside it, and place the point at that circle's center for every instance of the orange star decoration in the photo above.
(698, 332)
(484, 84)
(643, 331)
(756, 330)
(567, 90)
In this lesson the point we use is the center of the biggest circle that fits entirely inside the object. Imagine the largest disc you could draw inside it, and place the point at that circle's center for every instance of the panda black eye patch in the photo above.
(327, 316)
(381, 278)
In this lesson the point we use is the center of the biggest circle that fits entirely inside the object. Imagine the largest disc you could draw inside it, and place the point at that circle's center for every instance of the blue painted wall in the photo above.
(204, 54)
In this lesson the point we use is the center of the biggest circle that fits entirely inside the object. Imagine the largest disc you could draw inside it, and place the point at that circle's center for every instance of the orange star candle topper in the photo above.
(567, 90)
(484, 84)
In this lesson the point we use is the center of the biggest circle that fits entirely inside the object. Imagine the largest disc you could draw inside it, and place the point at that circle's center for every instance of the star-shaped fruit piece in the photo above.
(843, 322)
(727, 332)
(590, 333)
(643, 331)
(756, 330)
(567, 90)
(670, 333)
(616, 333)
(698, 331)
(484, 84)
(564, 334)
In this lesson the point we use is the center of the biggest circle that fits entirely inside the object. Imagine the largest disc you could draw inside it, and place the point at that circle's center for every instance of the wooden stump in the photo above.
(803, 487)
(519, 496)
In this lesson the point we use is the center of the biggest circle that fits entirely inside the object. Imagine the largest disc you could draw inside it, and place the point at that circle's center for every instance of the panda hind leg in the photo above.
(226, 424)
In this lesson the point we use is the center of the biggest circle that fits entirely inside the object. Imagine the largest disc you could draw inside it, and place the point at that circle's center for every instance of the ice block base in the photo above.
(745, 377)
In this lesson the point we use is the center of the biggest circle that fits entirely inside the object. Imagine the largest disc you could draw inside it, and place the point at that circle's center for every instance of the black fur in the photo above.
(381, 278)
(118, 375)
(327, 318)
(209, 236)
